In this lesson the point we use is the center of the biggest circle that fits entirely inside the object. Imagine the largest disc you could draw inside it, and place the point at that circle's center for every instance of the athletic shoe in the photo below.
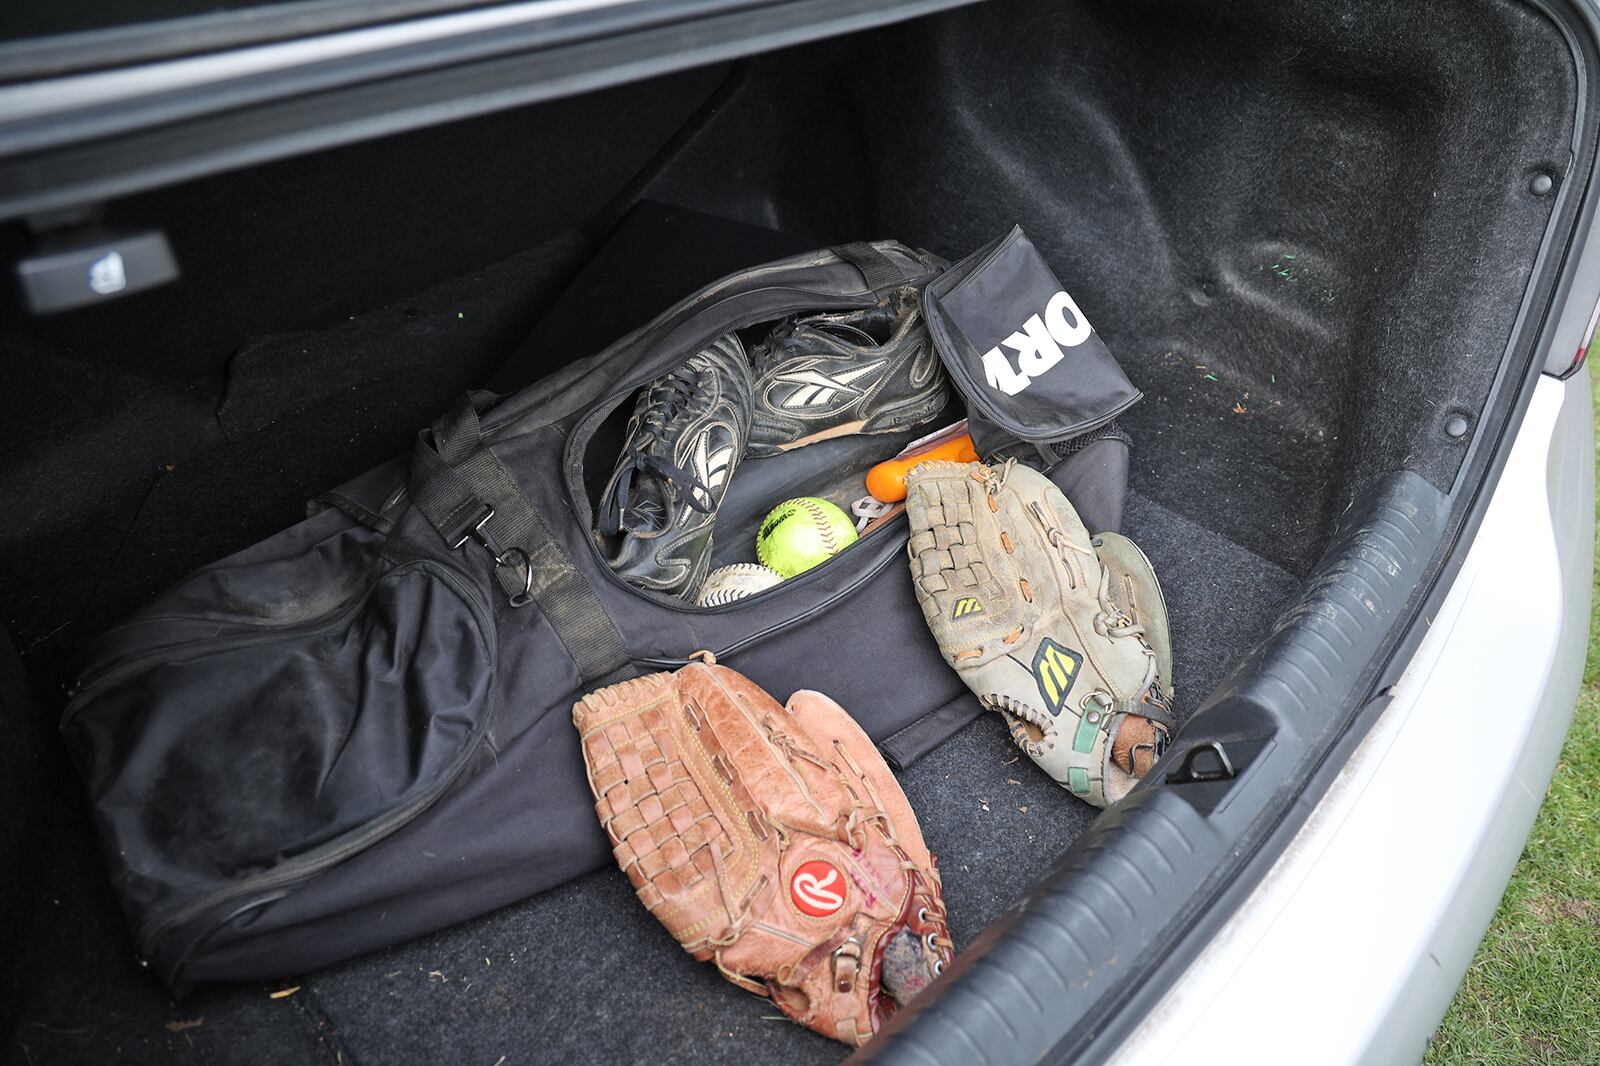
(686, 437)
(832, 375)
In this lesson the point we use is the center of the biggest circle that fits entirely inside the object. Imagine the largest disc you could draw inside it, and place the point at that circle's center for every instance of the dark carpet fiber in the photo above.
(179, 476)
(1304, 230)
(581, 973)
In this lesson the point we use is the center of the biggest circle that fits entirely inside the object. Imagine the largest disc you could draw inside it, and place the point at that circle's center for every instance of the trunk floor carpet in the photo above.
(582, 972)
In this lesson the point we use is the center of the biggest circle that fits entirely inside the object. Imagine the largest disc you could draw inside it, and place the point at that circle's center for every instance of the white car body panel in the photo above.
(1352, 947)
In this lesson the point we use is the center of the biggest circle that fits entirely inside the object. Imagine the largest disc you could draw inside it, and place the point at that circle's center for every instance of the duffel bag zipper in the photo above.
(493, 421)
(94, 680)
(800, 580)
(876, 567)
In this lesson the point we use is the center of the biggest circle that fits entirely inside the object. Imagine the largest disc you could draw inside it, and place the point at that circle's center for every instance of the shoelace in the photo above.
(769, 356)
(667, 398)
(997, 479)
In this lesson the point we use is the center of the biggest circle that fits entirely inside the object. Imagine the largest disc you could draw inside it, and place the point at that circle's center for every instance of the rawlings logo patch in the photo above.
(1055, 669)
(964, 606)
(817, 888)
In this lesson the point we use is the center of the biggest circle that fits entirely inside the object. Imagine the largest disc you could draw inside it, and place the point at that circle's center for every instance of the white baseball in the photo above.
(728, 583)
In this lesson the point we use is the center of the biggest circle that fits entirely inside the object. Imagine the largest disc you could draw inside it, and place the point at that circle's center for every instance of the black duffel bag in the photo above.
(358, 731)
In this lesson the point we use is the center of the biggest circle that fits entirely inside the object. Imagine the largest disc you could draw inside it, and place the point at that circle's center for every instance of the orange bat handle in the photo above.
(887, 480)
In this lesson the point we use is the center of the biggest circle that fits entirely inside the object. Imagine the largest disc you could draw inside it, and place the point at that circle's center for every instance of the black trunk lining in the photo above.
(580, 973)
(1304, 230)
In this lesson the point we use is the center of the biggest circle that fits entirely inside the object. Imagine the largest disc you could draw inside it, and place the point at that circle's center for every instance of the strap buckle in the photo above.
(514, 559)
(480, 532)
(473, 526)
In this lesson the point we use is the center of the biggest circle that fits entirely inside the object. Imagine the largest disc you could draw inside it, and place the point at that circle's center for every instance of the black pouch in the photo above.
(1021, 351)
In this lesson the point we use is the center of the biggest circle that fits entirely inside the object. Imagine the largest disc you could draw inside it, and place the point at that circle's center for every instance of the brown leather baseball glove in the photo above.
(770, 839)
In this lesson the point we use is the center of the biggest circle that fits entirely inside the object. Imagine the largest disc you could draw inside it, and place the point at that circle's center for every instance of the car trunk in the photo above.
(1307, 232)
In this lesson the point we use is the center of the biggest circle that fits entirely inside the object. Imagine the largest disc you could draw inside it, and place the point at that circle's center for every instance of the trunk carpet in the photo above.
(582, 972)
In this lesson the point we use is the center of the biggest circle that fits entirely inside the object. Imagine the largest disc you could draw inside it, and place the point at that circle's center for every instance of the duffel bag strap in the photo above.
(879, 270)
(464, 492)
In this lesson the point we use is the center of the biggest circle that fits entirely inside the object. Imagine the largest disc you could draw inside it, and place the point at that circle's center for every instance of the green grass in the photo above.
(1533, 992)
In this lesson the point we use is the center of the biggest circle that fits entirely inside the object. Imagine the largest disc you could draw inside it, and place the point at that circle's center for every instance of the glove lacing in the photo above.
(851, 829)
(927, 903)
(1109, 621)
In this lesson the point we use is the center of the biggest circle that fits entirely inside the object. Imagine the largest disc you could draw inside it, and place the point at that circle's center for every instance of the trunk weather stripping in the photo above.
(1583, 349)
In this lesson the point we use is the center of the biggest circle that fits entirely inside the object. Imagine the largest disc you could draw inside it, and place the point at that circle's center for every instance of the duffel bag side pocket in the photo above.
(1020, 350)
(221, 771)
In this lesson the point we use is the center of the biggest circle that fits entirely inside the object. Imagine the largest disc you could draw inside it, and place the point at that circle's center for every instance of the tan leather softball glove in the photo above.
(770, 839)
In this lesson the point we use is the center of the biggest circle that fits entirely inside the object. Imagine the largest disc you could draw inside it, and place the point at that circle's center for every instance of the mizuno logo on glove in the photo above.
(1037, 345)
(964, 606)
(1055, 668)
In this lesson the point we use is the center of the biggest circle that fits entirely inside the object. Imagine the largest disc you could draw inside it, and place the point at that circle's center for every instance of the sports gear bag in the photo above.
(359, 730)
